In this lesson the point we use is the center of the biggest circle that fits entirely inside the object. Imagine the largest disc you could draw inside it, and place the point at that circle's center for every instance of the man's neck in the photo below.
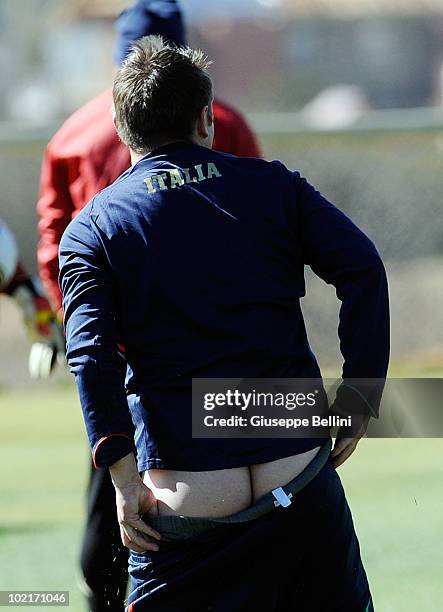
(136, 157)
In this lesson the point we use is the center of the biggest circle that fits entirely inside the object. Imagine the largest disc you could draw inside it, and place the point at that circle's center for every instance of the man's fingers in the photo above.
(140, 525)
(347, 440)
(340, 459)
(340, 445)
(135, 540)
(133, 498)
(130, 544)
(347, 451)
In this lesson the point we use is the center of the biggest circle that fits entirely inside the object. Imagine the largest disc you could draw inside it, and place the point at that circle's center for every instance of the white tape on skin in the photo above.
(281, 497)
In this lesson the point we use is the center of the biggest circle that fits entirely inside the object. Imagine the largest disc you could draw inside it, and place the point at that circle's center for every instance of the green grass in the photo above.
(43, 470)
(395, 489)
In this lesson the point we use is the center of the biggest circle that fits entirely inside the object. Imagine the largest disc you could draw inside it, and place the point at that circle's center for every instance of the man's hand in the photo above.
(345, 445)
(133, 499)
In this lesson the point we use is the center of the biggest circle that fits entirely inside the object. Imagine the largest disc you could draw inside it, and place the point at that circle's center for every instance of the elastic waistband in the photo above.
(184, 527)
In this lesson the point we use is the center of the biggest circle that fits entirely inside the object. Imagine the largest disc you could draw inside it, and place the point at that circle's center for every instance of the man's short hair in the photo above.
(159, 93)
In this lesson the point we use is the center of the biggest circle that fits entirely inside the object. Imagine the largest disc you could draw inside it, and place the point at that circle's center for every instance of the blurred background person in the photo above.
(82, 158)
(86, 155)
(41, 325)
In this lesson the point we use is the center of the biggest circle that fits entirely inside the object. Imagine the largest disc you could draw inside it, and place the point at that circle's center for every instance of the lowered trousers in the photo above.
(304, 557)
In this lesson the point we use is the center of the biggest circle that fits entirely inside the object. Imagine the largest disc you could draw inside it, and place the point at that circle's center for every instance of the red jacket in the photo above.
(85, 156)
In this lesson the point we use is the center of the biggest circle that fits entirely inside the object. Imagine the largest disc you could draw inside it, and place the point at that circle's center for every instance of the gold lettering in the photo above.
(188, 178)
(200, 175)
(149, 184)
(161, 181)
(176, 178)
(213, 170)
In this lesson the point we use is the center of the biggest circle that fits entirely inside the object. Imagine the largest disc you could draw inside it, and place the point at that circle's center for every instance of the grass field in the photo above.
(395, 489)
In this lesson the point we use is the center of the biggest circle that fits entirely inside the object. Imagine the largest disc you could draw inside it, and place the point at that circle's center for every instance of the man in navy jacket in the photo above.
(193, 261)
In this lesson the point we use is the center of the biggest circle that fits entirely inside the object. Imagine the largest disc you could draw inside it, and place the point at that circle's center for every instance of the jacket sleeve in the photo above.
(342, 255)
(54, 209)
(91, 335)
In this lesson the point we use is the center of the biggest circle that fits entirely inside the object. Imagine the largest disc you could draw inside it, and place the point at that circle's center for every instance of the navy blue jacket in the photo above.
(194, 260)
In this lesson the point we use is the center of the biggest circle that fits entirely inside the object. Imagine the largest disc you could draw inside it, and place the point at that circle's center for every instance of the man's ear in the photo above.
(203, 123)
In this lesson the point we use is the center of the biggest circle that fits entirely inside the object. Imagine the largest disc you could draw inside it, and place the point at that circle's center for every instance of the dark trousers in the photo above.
(304, 558)
(104, 559)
